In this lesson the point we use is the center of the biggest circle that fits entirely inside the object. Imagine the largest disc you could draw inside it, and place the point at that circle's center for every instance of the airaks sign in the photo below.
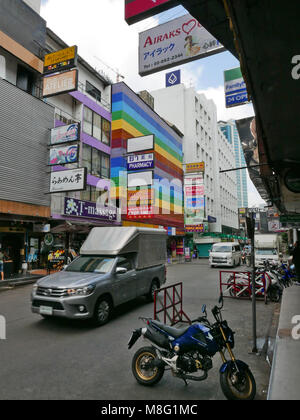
(176, 42)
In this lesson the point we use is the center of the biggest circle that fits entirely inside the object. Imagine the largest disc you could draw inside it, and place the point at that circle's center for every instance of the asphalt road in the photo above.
(61, 359)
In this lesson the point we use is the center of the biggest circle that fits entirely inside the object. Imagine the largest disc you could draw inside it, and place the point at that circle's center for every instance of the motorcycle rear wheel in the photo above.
(239, 386)
(143, 369)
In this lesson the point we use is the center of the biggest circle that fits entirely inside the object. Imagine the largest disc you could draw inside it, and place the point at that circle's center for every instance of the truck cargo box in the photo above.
(148, 244)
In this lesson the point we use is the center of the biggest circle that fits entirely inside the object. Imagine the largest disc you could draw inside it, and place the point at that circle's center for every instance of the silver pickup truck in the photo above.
(116, 265)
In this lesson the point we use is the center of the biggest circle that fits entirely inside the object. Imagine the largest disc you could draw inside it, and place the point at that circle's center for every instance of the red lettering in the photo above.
(148, 41)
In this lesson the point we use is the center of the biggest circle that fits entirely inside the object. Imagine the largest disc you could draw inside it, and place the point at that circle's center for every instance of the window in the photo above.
(87, 158)
(88, 121)
(25, 79)
(105, 132)
(96, 162)
(96, 126)
(105, 166)
(125, 263)
(93, 91)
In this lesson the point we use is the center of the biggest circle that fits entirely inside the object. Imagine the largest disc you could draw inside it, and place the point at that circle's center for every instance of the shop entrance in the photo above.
(12, 245)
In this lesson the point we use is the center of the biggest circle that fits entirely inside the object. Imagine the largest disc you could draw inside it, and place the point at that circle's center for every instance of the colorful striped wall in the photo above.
(132, 117)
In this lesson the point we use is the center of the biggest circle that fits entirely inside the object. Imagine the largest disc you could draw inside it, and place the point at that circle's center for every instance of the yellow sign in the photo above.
(195, 167)
(59, 56)
(60, 60)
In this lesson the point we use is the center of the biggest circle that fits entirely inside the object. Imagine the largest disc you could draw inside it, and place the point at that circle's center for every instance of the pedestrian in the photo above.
(2, 264)
(296, 260)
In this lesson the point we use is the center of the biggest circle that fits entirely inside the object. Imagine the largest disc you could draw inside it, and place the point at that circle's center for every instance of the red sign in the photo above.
(136, 10)
(194, 191)
(141, 212)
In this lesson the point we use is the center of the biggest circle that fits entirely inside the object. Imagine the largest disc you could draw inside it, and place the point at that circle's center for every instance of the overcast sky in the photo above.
(99, 30)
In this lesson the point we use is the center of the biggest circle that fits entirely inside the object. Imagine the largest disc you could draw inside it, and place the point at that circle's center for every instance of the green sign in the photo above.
(290, 218)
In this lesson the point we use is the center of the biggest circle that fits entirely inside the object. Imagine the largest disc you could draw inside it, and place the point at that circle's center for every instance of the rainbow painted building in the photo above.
(133, 118)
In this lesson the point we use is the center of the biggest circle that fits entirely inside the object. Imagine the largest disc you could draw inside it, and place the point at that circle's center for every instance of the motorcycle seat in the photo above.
(175, 332)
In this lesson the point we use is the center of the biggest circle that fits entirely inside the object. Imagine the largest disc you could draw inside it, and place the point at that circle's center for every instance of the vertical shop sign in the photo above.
(194, 203)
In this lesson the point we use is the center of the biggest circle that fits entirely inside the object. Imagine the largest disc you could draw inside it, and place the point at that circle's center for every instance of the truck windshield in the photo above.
(223, 248)
(91, 264)
(266, 252)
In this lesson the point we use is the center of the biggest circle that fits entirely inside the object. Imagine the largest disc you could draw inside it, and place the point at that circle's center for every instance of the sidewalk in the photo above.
(285, 374)
(21, 279)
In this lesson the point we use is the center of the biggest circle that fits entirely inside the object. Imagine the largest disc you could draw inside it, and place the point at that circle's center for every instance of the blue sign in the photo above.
(240, 97)
(173, 78)
(137, 162)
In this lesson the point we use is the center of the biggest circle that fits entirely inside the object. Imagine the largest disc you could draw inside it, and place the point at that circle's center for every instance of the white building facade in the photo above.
(196, 117)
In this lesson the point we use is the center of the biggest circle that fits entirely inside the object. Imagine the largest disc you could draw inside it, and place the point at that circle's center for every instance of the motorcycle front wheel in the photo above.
(238, 385)
(144, 369)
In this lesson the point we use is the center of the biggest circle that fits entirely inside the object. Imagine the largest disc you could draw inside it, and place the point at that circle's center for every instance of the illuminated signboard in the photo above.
(60, 60)
(136, 10)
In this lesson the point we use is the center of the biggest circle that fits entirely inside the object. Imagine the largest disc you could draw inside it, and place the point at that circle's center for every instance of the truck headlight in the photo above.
(81, 291)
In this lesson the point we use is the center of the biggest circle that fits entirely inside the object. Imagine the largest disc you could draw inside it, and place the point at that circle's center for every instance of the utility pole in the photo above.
(250, 221)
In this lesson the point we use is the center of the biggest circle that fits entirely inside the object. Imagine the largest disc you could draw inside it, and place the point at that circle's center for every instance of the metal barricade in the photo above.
(168, 303)
(238, 284)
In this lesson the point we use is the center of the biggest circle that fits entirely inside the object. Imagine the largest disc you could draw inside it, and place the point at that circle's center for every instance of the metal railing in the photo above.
(168, 302)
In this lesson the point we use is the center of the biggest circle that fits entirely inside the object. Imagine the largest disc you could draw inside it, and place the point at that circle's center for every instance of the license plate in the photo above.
(46, 310)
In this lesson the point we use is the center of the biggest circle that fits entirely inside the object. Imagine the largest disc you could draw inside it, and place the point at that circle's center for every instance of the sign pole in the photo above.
(251, 229)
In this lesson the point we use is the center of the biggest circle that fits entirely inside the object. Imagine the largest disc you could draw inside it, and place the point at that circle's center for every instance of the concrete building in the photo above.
(34, 4)
(160, 201)
(25, 123)
(230, 131)
(75, 212)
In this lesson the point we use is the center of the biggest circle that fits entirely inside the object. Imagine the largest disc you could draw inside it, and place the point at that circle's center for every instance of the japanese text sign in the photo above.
(176, 42)
(69, 180)
(137, 162)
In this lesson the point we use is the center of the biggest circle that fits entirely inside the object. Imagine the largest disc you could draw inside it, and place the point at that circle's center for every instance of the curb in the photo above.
(19, 282)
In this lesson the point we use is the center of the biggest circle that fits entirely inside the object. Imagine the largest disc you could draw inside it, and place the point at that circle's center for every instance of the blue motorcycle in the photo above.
(188, 353)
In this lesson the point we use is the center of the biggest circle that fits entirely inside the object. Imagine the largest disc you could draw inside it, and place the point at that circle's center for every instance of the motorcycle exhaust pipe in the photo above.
(194, 378)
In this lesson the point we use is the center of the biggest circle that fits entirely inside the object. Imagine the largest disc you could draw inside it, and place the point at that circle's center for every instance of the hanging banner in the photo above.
(65, 134)
(176, 42)
(64, 155)
(69, 180)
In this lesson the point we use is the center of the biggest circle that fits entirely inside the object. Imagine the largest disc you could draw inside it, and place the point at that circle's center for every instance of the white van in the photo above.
(226, 254)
